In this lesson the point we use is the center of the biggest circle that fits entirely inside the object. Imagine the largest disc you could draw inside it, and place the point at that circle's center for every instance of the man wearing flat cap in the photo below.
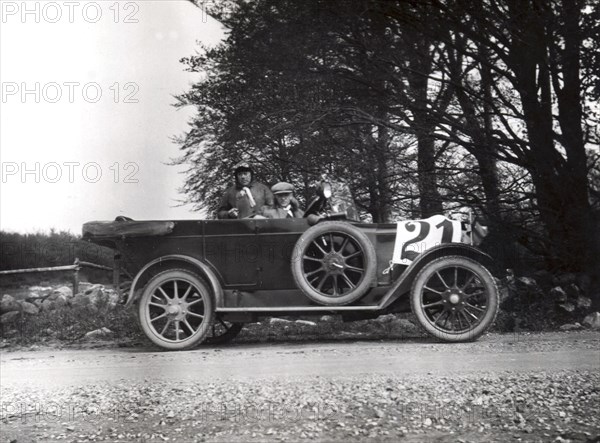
(286, 206)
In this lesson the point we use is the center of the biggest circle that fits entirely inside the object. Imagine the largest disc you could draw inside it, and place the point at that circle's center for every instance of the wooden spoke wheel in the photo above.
(176, 309)
(454, 298)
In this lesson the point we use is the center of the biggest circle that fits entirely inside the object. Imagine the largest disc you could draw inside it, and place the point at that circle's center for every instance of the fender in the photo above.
(404, 282)
(202, 267)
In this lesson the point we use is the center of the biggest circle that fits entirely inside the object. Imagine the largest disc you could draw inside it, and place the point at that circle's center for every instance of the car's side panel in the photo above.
(186, 239)
(230, 246)
(383, 237)
(253, 254)
(247, 254)
(275, 247)
(251, 259)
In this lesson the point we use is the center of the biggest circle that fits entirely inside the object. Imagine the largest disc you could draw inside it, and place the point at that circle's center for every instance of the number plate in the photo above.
(416, 236)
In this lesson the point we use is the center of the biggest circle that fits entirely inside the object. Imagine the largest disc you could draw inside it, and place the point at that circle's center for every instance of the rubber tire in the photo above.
(209, 309)
(232, 333)
(370, 261)
(486, 278)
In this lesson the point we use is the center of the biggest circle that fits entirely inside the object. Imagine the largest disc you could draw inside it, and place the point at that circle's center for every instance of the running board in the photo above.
(300, 309)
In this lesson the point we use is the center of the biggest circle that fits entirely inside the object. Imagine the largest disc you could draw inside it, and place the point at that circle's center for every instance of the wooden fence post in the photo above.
(117, 272)
(76, 276)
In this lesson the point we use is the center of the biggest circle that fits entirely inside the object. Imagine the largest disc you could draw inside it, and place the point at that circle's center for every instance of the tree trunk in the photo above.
(561, 181)
(385, 199)
(430, 199)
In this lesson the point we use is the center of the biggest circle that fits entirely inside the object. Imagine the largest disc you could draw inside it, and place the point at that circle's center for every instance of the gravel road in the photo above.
(538, 387)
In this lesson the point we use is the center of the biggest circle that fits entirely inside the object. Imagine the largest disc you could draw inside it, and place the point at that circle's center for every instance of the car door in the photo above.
(231, 247)
(276, 240)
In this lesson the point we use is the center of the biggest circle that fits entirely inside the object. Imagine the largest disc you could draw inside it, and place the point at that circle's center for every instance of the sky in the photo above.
(86, 115)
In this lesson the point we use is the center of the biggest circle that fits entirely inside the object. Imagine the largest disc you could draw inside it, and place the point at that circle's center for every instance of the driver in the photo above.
(286, 206)
(246, 197)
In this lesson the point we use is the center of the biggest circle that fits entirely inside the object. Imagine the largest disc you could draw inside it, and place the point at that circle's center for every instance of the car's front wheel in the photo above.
(454, 298)
(176, 309)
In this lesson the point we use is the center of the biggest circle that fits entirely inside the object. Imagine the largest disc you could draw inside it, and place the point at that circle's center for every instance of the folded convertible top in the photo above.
(127, 228)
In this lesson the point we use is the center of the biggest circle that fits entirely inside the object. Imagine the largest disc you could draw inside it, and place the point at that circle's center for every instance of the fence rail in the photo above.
(75, 268)
(31, 270)
(94, 265)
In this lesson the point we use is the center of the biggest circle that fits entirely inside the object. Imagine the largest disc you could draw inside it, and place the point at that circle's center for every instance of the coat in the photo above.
(279, 212)
(235, 197)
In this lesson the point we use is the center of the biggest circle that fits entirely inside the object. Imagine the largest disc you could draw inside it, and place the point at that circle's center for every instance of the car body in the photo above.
(188, 276)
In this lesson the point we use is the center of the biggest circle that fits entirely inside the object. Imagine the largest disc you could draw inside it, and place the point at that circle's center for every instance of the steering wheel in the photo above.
(314, 206)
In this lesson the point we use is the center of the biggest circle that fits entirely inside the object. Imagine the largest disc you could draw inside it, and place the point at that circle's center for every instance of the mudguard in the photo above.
(188, 263)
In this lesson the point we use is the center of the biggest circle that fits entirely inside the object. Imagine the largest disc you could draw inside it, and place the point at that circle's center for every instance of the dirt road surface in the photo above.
(537, 387)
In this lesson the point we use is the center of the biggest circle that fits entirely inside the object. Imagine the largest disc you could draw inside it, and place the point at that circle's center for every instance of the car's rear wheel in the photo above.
(454, 298)
(222, 331)
(176, 309)
(334, 263)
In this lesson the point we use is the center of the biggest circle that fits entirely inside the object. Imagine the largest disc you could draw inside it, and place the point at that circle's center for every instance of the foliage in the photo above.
(19, 251)
(420, 105)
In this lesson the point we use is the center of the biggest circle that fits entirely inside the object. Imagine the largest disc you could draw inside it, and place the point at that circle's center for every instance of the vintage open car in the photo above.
(200, 281)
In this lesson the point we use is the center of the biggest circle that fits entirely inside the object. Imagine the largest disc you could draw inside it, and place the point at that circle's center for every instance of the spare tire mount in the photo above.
(334, 263)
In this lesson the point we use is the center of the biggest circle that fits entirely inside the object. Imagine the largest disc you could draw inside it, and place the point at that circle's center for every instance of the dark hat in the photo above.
(242, 166)
(282, 188)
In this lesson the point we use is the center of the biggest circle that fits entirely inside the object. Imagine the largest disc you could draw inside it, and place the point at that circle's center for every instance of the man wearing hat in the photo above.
(286, 206)
(246, 197)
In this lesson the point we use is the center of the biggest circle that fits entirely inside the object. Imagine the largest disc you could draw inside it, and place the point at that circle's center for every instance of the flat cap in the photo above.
(282, 188)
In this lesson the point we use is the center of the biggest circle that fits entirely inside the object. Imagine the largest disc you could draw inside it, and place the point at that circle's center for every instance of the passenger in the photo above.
(286, 206)
(246, 197)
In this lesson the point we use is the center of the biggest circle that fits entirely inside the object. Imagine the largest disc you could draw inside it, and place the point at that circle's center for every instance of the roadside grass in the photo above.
(332, 329)
(68, 326)
(538, 316)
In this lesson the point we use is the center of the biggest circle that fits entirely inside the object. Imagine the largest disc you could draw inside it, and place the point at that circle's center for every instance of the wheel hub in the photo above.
(334, 263)
(177, 310)
(454, 298)
(173, 310)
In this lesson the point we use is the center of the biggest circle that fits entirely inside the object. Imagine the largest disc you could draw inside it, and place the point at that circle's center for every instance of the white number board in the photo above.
(416, 236)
